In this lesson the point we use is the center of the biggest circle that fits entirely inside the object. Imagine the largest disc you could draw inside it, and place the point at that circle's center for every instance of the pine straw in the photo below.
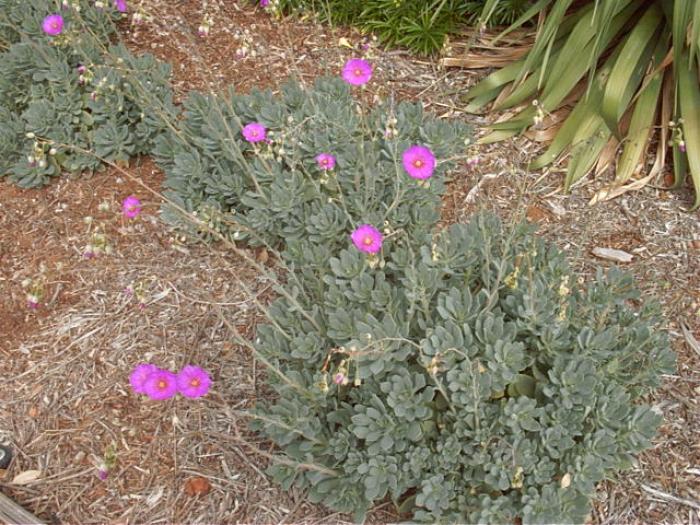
(66, 397)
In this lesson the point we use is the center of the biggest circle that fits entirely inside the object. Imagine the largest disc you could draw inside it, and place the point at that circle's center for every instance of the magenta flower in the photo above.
(131, 207)
(254, 132)
(419, 162)
(357, 72)
(103, 472)
(139, 375)
(325, 161)
(681, 146)
(367, 238)
(161, 384)
(53, 24)
(193, 381)
(120, 5)
(264, 3)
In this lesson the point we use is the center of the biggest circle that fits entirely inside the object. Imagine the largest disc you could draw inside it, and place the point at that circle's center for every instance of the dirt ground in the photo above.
(65, 400)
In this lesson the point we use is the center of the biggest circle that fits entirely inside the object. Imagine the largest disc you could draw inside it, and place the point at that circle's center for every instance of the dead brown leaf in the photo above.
(197, 486)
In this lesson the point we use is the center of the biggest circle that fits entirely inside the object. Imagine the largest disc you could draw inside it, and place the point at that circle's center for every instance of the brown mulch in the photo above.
(65, 399)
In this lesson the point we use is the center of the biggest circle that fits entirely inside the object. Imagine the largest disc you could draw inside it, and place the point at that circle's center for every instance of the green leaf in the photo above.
(630, 66)
(689, 96)
(545, 36)
(641, 124)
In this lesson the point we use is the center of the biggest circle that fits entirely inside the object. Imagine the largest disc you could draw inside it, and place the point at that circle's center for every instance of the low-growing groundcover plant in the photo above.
(68, 96)
(303, 169)
(470, 379)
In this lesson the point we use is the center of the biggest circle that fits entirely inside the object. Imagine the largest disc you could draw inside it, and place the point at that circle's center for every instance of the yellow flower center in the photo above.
(367, 240)
(195, 382)
(418, 163)
(358, 72)
(162, 384)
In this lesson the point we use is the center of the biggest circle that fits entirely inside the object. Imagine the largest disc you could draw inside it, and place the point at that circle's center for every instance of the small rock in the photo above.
(613, 255)
(557, 208)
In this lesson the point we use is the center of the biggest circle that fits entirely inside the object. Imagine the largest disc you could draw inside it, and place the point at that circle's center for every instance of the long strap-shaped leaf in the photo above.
(682, 12)
(689, 96)
(582, 122)
(628, 71)
(497, 79)
(569, 69)
(605, 10)
(695, 33)
(642, 122)
(547, 32)
(531, 12)
(571, 65)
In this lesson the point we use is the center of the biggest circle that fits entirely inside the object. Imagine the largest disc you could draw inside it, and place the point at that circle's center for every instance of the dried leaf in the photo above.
(344, 42)
(565, 481)
(535, 213)
(613, 192)
(23, 478)
(197, 486)
(613, 255)
(154, 497)
(690, 338)
(262, 255)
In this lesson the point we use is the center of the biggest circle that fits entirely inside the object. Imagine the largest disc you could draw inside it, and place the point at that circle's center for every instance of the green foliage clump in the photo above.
(468, 377)
(419, 25)
(630, 71)
(274, 192)
(61, 119)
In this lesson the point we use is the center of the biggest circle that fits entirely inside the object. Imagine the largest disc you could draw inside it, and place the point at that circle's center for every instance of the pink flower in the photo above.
(419, 162)
(325, 161)
(120, 5)
(32, 302)
(367, 238)
(473, 161)
(161, 384)
(254, 132)
(339, 379)
(681, 146)
(131, 207)
(193, 381)
(264, 3)
(53, 24)
(103, 473)
(357, 72)
(139, 375)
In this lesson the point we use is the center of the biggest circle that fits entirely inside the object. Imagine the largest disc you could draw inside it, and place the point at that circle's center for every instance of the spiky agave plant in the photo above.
(603, 79)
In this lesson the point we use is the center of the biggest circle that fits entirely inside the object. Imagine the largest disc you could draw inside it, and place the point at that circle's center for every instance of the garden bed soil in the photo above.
(65, 397)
